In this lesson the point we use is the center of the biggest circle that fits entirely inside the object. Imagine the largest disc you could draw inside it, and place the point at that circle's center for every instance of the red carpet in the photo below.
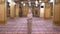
(39, 26)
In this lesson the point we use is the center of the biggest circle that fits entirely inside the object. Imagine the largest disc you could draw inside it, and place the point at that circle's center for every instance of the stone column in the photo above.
(20, 10)
(36, 11)
(2, 12)
(47, 12)
(25, 10)
(32, 9)
(12, 12)
(17, 10)
(57, 12)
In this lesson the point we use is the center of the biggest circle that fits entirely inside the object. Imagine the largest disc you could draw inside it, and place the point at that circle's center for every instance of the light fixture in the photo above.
(13, 3)
(51, 1)
(36, 3)
(9, 1)
(42, 4)
(40, 1)
(29, 3)
(24, 4)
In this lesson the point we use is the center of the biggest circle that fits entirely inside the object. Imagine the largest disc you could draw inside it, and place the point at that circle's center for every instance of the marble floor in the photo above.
(39, 26)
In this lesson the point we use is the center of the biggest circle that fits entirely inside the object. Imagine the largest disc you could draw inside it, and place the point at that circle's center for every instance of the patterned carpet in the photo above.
(39, 26)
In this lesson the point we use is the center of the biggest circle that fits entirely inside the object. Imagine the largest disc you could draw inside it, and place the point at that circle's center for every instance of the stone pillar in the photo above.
(20, 10)
(2, 12)
(36, 11)
(25, 10)
(57, 12)
(47, 12)
(40, 7)
(17, 10)
(12, 12)
(32, 9)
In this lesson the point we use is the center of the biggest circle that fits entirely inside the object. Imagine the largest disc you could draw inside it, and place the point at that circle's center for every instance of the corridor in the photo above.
(29, 16)
(39, 26)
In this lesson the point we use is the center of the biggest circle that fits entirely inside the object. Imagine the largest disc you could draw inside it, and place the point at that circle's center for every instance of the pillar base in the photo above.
(56, 23)
(11, 17)
(2, 22)
(46, 18)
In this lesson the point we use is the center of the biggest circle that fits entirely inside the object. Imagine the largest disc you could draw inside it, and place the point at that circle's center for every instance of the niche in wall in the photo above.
(42, 6)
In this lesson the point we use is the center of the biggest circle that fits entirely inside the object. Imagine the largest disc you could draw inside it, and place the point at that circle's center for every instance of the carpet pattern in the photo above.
(39, 26)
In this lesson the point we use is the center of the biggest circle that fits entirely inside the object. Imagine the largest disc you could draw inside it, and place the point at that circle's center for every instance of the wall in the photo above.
(42, 9)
